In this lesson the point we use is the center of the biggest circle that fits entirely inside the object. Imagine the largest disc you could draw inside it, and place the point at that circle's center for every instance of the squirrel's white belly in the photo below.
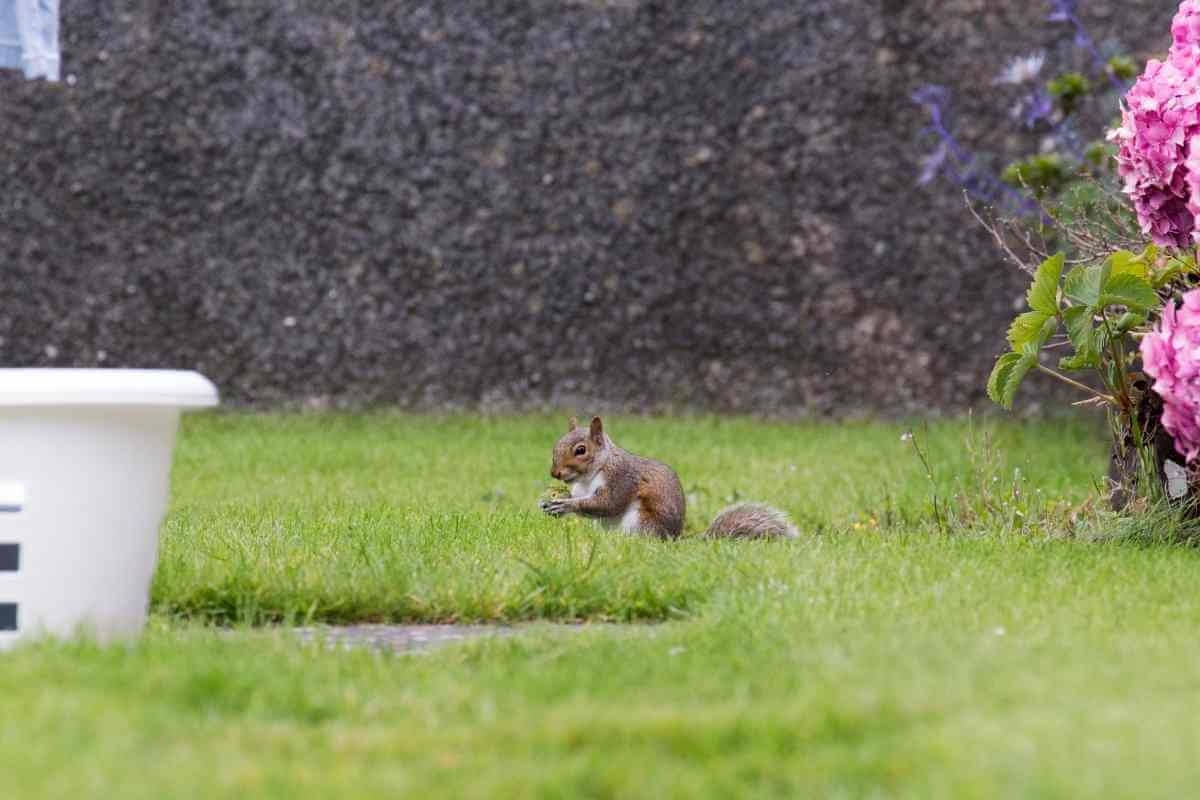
(630, 521)
(586, 487)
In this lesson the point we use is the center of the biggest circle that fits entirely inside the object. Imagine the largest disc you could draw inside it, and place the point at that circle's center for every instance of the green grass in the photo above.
(399, 518)
(988, 655)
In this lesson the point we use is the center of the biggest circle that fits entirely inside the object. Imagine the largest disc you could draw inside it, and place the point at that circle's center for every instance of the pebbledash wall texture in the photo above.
(630, 204)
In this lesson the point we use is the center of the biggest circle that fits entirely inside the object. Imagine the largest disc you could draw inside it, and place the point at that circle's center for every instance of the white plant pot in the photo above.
(85, 465)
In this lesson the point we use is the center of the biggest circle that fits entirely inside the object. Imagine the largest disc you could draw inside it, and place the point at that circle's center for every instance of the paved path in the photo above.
(402, 638)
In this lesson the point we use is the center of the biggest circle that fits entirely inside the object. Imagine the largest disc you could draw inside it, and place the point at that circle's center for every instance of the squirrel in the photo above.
(641, 495)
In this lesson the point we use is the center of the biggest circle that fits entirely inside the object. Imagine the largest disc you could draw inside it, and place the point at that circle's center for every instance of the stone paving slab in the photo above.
(402, 638)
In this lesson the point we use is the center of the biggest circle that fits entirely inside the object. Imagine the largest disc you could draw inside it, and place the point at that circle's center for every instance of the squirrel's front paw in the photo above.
(556, 508)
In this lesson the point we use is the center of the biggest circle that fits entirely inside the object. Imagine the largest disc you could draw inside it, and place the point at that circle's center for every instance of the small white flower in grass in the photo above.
(999, 631)
(1022, 69)
(906, 436)
(676, 650)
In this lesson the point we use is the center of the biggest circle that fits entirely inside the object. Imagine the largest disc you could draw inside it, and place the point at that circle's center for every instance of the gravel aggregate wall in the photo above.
(635, 204)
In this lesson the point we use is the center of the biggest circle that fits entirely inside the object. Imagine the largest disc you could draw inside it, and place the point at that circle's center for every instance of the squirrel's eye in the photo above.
(581, 451)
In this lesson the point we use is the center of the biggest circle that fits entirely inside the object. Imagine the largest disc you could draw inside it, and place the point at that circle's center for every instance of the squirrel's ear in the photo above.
(572, 424)
(597, 430)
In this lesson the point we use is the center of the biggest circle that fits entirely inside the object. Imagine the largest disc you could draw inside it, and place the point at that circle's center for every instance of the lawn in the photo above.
(994, 648)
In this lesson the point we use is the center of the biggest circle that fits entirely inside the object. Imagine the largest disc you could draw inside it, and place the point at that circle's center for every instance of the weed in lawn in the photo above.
(1159, 523)
(987, 495)
(992, 498)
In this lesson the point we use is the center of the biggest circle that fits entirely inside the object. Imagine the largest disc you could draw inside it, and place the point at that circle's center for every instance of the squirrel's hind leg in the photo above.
(648, 527)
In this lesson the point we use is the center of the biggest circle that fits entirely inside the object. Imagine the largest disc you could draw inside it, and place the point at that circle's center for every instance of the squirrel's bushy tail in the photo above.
(752, 521)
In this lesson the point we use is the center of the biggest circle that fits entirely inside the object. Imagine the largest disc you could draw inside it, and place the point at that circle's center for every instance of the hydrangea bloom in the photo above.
(1171, 355)
(1159, 126)
(1185, 32)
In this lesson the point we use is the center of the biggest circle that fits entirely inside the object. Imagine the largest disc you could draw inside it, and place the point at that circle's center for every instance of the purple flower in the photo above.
(932, 164)
(1067, 11)
(956, 162)
(1062, 10)
(1035, 107)
(931, 96)
(1171, 355)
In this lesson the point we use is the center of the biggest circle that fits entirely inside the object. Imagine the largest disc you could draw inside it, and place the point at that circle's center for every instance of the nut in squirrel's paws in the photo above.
(555, 499)
(556, 508)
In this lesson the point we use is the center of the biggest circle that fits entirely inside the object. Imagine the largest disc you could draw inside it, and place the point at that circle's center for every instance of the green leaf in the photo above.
(1071, 84)
(1112, 372)
(1080, 329)
(1069, 88)
(1077, 362)
(1043, 172)
(1049, 328)
(1083, 285)
(1128, 290)
(1043, 294)
(1175, 266)
(999, 377)
(1031, 330)
(1123, 262)
(1099, 153)
(1007, 375)
(1084, 335)
(1129, 320)
(1013, 382)
(1122, 68)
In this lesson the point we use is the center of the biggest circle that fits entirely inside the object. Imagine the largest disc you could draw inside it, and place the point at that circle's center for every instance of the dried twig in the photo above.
(999, 237)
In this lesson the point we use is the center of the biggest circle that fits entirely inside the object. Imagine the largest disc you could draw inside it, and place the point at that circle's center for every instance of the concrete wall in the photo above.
(514, 204)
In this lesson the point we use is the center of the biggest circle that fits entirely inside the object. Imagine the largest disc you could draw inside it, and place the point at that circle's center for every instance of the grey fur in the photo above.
(752, 521)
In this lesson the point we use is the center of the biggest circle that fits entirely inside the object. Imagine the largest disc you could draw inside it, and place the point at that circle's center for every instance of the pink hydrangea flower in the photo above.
(1159, 128)
(1171, 355)
(1185, 32)
(1158, 124)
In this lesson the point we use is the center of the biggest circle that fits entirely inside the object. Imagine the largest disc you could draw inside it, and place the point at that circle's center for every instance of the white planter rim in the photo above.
(105, 387)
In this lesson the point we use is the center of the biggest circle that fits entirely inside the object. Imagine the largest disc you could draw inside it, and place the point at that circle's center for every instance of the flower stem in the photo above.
(1082, 386)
